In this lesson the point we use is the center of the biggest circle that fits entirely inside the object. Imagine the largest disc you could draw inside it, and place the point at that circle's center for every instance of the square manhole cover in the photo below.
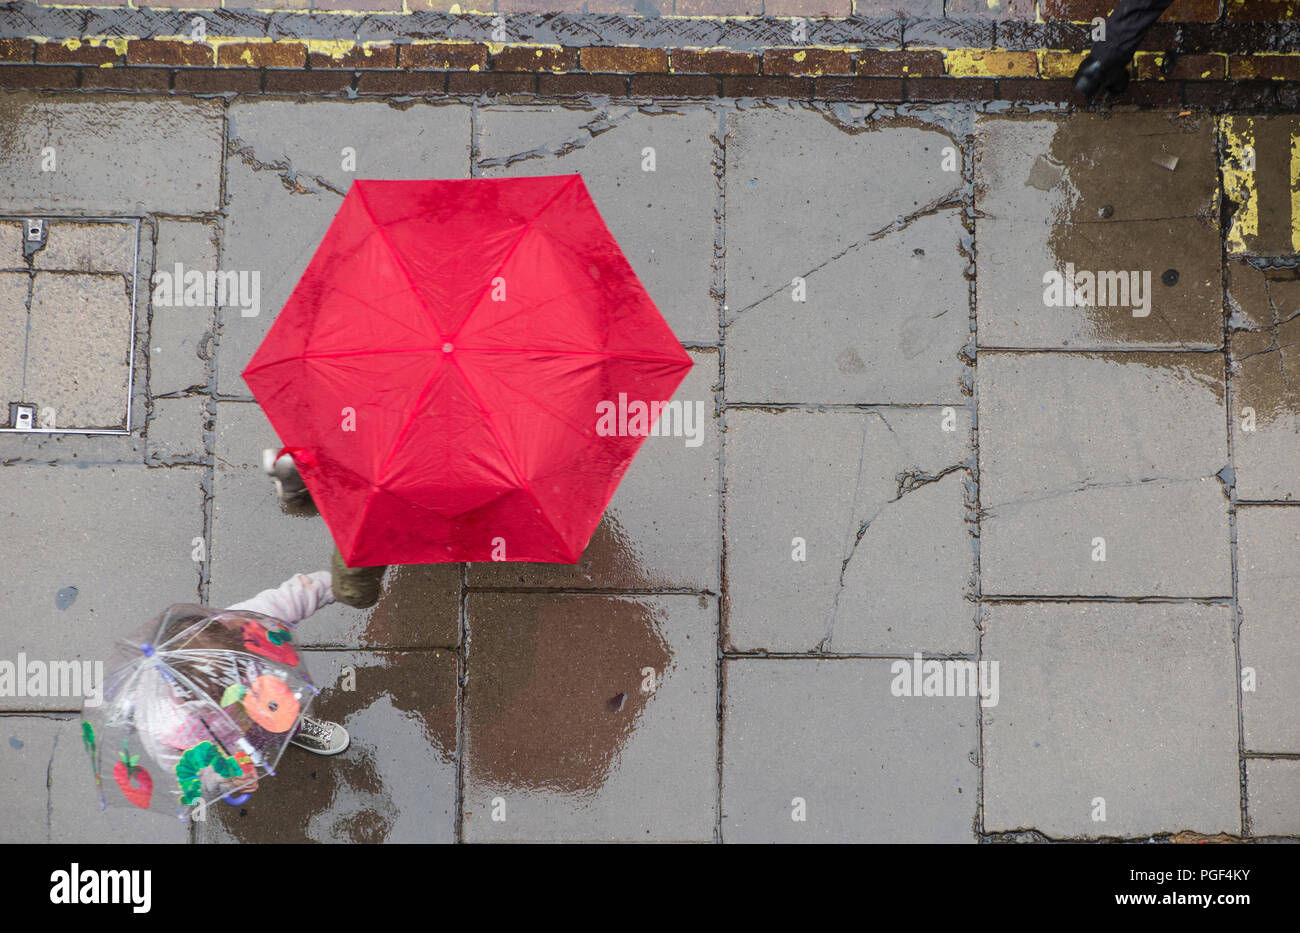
(67, 323)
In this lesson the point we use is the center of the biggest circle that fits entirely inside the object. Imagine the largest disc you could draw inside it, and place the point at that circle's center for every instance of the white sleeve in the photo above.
(293, 600)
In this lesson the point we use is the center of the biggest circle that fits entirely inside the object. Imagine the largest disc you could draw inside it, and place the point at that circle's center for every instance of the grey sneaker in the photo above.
(288, 484)
(321, 737)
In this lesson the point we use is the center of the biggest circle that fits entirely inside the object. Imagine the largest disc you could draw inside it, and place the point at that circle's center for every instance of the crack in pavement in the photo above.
(948, 201)
(284, 168)
(907, 481)
(987, 510)
(599, 124)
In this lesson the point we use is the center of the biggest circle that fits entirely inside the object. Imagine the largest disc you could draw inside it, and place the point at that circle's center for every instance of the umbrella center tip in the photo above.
(447, 348)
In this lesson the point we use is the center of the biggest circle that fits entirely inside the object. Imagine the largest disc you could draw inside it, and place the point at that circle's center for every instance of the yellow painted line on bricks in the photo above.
(1059, 64)
(990, 63)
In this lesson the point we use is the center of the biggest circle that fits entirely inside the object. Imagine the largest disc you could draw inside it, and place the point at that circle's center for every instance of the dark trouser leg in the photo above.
(355, 586)
(1125, 28)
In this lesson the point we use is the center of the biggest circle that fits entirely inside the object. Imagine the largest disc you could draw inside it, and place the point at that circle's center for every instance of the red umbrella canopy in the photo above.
(441, 370)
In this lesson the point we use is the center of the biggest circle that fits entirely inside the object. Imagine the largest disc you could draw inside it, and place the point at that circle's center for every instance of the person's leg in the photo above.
(1126, 26)
(357, 587)
(1107, 63)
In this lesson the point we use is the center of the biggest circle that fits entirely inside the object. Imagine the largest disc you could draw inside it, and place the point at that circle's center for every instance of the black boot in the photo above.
(1095, 76)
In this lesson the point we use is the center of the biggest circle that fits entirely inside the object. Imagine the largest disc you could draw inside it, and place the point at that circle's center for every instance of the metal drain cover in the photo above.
(67, 323)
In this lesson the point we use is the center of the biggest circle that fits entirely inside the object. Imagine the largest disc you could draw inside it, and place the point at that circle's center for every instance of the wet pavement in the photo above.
(1009, 388)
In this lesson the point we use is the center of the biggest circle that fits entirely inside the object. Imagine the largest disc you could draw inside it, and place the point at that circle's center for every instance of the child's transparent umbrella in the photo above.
(199, 705)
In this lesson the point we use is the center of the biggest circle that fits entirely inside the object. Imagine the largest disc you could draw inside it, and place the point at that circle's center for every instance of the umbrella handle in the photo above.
(237, 800)
(300, 455)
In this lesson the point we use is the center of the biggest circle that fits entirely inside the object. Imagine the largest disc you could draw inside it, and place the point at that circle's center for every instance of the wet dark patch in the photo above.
(65, 597)
(546, 670)
(1272, 139)
(419, 605)
(1123, 211)
(349, 797)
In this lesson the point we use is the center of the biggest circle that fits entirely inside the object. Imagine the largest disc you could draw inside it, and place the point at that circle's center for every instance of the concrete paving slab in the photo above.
(1158, 539)
(1132, 704)
(1266, 406)
(1259, 184)
(1050, 168)
(112, 155)
(74, 809)
(176, 429)
(14, 289)
(397, 780)
(1268, 546)
(1122, 447)
(1273, 796)
(1129, 265)
(1049, 193)
(257, 544)
(661, 211)
(910, 285)
(92, 553)
(29, 745)
(646, 538)
(591, 718)
(88, 247)
(1250, 302)
(847, 531)
(78, 369)
(329, 143)
(788, 209)
(797, 736)
(284, 184)
(179, 334)
(11, 246)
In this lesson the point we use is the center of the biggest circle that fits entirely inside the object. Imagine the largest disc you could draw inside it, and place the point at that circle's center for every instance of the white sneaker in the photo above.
(321, 737)
(288, 484)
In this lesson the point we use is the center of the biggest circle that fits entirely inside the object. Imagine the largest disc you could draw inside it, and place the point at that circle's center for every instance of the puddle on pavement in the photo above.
(1139, 188)
(1131, 226)
(416, 598)
(555, 689)
(611, 559)
(555, 694)
(402, 719)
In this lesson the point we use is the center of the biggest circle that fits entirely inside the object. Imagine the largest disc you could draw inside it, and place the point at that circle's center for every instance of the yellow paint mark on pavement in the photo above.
(1239, 180)
(1295, 195)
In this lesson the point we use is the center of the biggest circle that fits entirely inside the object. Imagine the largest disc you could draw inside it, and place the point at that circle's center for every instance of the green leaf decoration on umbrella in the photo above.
(233, 694)
(194, 761)
(88, 739)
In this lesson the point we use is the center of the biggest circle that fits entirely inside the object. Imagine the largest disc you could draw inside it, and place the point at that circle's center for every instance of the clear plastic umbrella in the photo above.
(198, 706)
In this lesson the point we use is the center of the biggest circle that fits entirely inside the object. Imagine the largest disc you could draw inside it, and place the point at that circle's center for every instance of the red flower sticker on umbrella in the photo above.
(273, 643)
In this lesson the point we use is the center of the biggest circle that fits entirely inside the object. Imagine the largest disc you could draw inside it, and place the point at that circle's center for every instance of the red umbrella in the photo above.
(440, 371)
